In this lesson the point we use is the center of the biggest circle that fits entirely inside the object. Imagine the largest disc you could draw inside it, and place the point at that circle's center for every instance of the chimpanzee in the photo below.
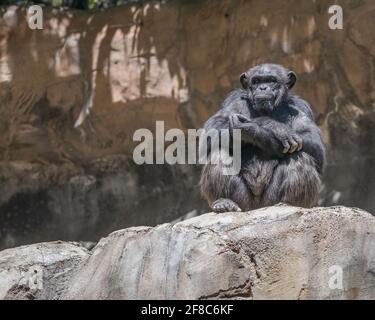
(282, 152)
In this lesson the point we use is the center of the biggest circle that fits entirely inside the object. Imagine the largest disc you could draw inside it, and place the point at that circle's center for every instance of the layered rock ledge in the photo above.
(279, 252)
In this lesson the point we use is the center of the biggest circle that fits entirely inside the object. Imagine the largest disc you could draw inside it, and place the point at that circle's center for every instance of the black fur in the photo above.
(282, 149)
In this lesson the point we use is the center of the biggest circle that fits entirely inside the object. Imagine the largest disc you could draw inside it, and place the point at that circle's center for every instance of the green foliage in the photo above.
(56, 3)
(92, 4)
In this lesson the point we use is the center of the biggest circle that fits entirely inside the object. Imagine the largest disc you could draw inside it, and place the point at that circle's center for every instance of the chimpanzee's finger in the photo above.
(294, 145)
(299, 141)
(286, 146)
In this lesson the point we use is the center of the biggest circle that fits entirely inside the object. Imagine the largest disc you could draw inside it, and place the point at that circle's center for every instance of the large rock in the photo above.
(271, 253)
(39, 271)
(172, 61)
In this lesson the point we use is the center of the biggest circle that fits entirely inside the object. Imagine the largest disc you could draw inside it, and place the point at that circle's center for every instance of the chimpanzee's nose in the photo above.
(262, 87)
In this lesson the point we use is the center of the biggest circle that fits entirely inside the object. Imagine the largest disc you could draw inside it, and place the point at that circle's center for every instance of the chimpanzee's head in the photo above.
(267, 85)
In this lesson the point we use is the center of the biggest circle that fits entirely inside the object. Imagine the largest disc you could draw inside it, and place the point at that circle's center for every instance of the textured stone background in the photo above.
(133, 65)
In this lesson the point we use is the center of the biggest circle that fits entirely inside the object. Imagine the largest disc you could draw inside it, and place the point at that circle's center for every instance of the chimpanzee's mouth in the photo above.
(265, 96)
(264, 101)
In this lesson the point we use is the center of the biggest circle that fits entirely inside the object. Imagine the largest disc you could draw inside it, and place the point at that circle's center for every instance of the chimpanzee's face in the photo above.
(267, 85)
(264, 89)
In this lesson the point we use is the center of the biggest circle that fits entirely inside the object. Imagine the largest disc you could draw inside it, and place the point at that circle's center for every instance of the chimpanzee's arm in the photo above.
(313, 145)
(235, 103)
(305, 126)
(274, 138)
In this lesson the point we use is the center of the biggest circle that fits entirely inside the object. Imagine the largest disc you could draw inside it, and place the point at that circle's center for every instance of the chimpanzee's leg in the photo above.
(224, 193)
(295, 181)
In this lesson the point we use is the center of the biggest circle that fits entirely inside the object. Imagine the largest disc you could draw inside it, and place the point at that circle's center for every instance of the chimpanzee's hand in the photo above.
(247, 127)
(291, 142)
(238, 121)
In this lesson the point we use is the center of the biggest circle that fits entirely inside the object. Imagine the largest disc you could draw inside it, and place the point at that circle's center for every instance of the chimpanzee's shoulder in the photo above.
(300, 105)
(235, 96)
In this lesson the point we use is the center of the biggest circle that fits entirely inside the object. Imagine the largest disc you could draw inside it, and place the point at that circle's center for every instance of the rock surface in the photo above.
(173, 61)
(279, 252)
(39, 271)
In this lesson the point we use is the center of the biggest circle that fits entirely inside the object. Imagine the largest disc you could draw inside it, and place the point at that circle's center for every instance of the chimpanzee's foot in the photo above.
(224, 205)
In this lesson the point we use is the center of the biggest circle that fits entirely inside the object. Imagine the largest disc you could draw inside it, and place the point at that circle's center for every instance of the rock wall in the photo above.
(65, 175)
(278, 252)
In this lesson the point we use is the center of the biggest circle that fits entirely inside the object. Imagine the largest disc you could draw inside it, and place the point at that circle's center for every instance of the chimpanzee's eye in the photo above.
(254, 80)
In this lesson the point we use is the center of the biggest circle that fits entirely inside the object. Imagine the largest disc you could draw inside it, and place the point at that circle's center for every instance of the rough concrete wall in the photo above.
(133, 65)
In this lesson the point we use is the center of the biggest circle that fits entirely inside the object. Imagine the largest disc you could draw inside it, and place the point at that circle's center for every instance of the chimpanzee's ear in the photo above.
(292, 78)
(244, 80)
